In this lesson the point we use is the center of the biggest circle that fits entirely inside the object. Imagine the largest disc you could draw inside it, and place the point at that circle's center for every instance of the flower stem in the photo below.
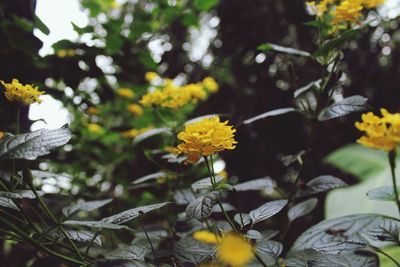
(392, 162)
(147, 236)
(17, 127)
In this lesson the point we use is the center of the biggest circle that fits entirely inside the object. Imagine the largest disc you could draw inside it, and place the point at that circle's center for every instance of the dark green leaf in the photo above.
(267, 210)
(269, 247)
(335, 43)
(344, 107)
(132, 252)
(151, 133)
(7, 203)
(189, 250)
(283, 49)
(96, 224)
(385, 193)
(257, 184)
(242, 220)
(205, 5)
(20, 194)
(206, 183)
(320, 184)
(41, 26)
(201, 208)
(272, 113)
(253, 234)
(85, 206)
(302, 208)
(79, 236)
(32, 145)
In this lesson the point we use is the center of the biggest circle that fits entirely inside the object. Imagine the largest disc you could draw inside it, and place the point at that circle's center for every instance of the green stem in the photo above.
(147, 236)
(27, 174)
(17, 127)
(212, 179)
(392, 163)
(260, 260)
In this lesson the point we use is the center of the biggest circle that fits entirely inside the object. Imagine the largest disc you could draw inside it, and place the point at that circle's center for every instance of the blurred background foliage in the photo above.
(188, 41)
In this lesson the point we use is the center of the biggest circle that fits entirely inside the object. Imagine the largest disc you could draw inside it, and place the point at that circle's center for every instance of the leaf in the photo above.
(372, 167)
(206, 183)
(320, 184)
(334, 43)
(269, 233)
(388, 230)
(283, 49)
(257, 184)
(189, 250)
(201, 208)
(301, 209)
(79, 236)
(132, 252)
(253, 234)
(141, 137)
(307, 87)
(272, 113)
(32, 145)
(97, 224)
(85, 206)
(149, 177)
(385, 193)
(308, 258)
(20, 194)
(44, 174)
(40, 25)
(131, 214)
(226, 206)
(267, 210)
(245, 217)
(346, 230)
(197, 119)
(344, 107)
(269, 247)
(205, 5)
(184, 196)
(7, 203)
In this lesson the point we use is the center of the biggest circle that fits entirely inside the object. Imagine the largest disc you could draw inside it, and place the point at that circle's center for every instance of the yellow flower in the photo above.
(132, 133)
(135, 109)
(115, 5)
(372, 3)
(224, 174)
(380, 132)
(205, 137)
(93, 110)
(320, 8)
(24, 94)
(235, 250)
(94, 128)
(64, 53)
(210, 84)
(196, 91)
(126, 92)
(205, 237)
(1, 135)
(151, 75)
(348, 11)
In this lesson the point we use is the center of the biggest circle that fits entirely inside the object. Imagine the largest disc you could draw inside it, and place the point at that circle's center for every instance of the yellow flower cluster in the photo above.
(380, 132)
(125, 92)
(205, 138)
(232, 249)
(171, 96)
(343, 12)
(1, 135)
(135, 109)
(132, 133)
(24, 94)
(65, 53)
(93, 111)
(94, 128)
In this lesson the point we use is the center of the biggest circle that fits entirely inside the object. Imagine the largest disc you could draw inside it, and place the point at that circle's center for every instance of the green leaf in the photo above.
(131, 214)
(307, 87)
(85, 206)
(128, 252)
(20, 194)
(206, 183)
(151, 133)
(269, 247)
(257, 184)
(97, 224)
(40, 25)
(372, 167)
(344, 232)
(335, 43)
(201, 208)
(344, 107)
(272, 113)
(308, 258)
(205, 5)
(253, 234)
(7, 203)
(149, 177)
(393, 252)
(267, 210)
(320, 184)
(242, 216)
(283, 49)
(387, 231)
(385, 193)
(189, 250)
(302, 208)
(32, 145)
(79, 236)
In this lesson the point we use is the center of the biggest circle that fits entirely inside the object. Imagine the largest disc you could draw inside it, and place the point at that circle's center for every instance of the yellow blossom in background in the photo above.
(94, 128)
(115, 5)
(205, 138)
(235, 250)
(135, 109)
(380, 132)
(224, 174)
(210, 84)
(372, 3)
(132, 133)
(348, 11)
(1, 135)
(196, 91)
(93, 110)
(24, 94)
(125, 92)
(150, 76)
(65, 53)
(205, 237)
(320, 8)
